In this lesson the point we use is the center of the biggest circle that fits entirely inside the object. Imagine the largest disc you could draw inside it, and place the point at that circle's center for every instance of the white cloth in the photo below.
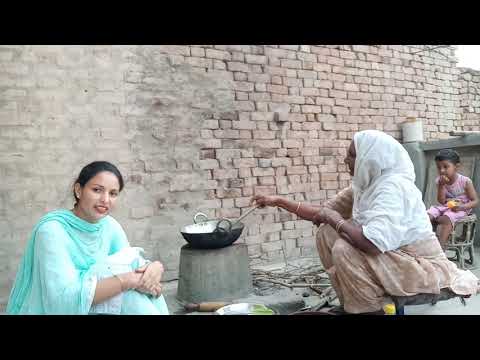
(386, 201)
(126, 260)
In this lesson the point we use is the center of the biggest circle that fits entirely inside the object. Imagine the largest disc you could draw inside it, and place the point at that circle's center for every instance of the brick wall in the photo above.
(203, 128)
(469, 100)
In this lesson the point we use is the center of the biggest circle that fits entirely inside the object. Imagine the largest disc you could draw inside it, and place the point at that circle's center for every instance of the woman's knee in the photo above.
(341, 251)
(324, 233)
(325, 229)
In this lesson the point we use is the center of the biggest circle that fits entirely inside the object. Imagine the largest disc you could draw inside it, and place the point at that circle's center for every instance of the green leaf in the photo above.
(261, 310)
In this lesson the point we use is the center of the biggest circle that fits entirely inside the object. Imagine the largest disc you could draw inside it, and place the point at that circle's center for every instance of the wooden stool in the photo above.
(462, 242)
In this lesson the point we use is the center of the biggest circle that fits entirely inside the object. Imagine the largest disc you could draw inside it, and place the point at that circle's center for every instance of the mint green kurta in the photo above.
(58, 272)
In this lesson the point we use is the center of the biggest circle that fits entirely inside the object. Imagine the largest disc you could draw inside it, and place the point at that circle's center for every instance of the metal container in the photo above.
(211, 234)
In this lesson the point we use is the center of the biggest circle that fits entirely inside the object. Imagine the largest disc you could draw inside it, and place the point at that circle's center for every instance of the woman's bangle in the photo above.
(298, 207)
(338, 225)
(122, 283)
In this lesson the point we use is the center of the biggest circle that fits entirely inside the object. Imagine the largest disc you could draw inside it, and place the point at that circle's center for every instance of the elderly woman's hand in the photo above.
(263, 200)
(325, 215)
(150, 280)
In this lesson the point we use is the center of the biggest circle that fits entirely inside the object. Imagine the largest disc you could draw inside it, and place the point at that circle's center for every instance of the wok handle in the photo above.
(222, 230)
(199, 214)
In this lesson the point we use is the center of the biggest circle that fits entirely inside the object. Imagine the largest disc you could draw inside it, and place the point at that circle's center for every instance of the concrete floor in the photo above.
(288, 301)
(283, 300)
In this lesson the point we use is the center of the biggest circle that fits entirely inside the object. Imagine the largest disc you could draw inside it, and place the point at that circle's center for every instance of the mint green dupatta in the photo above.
(83, 254)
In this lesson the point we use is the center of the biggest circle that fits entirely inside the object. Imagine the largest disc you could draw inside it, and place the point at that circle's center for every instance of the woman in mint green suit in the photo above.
(79, 261)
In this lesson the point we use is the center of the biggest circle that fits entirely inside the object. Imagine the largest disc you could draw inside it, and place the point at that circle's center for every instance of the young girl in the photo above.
(455, 193)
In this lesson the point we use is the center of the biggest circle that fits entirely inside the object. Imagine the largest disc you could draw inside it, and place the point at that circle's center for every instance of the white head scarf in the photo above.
(386, 201)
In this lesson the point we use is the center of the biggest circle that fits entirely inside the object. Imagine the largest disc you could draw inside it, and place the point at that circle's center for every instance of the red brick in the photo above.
(263, 172)
(263, 134)
(329, 185)
(237, 66)
(229, 193)
(245, 163)
(292, 64)
(279, 89)
(243, 86)
(196, 51)
(290, 143)
(262, 97)
(266, 180)
(328, 177)
(244, 106)
(199, 62)
(307, 74)
(210, 143)
(218, 54)
(323, 84)
(244, 125)
(226, 134)
(268, 144)
(228, 154)
(259, 78)
(296, 170)
(311, 109)
(293, 99)
(240, 76)
(225, 173)
(255, 59)
(265, 190)
(242, 202)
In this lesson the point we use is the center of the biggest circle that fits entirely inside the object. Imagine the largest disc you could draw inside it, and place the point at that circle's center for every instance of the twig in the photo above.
(319, 292)
(292, 285)
(309, 285)
(284, 257)
(275, 282)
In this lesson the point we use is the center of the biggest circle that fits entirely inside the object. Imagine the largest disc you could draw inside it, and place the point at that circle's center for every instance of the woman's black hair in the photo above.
(92, 169)
(449, 155)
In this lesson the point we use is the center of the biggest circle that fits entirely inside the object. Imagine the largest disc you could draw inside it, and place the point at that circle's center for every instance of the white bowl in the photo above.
(245, 309)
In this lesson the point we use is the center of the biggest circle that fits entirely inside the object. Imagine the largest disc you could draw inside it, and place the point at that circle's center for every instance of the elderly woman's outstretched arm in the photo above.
(305, 211)
(341, 203)
(332, 212)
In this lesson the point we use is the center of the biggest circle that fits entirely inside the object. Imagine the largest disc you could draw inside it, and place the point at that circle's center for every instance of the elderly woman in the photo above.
(375, 239)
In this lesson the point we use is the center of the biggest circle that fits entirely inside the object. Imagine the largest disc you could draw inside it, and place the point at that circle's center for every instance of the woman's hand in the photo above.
(326, 215)
(130, 280)
(155, 290)
(263, 200)
(151, 277)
